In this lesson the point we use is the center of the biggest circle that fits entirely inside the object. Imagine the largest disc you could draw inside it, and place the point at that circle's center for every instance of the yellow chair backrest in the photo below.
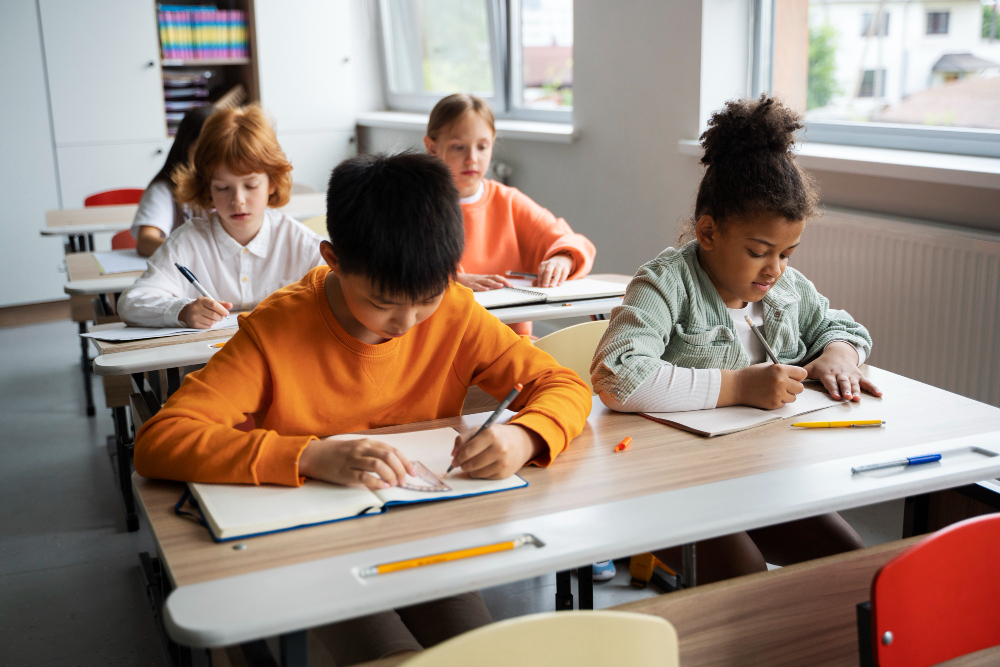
(317, 223)
(574, 347)
(560, 639)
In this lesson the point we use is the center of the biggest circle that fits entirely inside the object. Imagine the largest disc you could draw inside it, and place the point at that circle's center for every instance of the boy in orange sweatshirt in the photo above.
(505, 230)
(380, 336)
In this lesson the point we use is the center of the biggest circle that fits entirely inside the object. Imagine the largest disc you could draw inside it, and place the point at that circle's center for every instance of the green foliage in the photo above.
(456, 47)
(988, 22)
(822, 65)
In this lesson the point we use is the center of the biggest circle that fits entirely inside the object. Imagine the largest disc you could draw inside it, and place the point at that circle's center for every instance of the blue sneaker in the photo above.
(604, 570)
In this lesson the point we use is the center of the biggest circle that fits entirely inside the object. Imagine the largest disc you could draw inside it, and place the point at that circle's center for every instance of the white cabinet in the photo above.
(103, 67)
(28, 262)
(314, 155)
(84, 170)
(305, 64)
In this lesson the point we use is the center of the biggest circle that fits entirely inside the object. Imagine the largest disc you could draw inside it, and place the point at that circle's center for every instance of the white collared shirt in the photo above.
(283, 251)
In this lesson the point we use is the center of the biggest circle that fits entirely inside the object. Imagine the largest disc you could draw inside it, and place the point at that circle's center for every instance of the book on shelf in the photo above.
(202, 32)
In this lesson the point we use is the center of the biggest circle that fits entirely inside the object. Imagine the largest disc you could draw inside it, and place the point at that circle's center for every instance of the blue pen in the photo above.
(912, 461)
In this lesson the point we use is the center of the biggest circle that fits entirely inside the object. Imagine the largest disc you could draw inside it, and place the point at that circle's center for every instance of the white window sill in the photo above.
(559, 133)
(968, 170)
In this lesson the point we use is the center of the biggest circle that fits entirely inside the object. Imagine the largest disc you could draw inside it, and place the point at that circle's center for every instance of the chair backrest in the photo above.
(574, 347)
(302, 188)
(940, 599)
(114, 197)
(317, 223)
(558, 639)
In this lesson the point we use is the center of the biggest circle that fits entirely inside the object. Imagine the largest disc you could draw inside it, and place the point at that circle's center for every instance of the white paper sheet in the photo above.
(120, 261)
(140, 333)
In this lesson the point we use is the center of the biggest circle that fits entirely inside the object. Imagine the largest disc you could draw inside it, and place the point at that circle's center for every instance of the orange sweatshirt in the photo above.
(506, 231)
(294, 368)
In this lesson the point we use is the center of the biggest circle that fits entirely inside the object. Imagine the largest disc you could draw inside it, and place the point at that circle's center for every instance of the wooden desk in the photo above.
(671, 487)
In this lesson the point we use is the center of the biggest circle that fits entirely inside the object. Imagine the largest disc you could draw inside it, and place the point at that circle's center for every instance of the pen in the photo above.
(521, 274)
(186, 272)
(398, 565)
(760, 336)
(911, 461)
(493, 417)
(623, 445)
(863, 423)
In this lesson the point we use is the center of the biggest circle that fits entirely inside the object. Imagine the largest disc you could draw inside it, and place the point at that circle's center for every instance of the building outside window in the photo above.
(872, 28)
(937, 23)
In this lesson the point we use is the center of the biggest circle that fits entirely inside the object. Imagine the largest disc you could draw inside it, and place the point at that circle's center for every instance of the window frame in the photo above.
(947, 23)
(899, 136)
(503, 17)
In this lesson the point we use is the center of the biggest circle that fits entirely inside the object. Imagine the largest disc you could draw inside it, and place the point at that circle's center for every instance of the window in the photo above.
(872, 83)
(517, 54)
(937, 23)
(869, 28)
(902, 89)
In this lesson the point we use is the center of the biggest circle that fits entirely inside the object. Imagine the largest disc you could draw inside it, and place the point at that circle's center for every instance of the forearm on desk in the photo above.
(671, 389)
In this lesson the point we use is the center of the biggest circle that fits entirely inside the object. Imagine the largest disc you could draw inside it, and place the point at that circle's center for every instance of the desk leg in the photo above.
(157, 588)
(173, 381)
(90, 242)
(916, 515)
(124, 462)
(88, 388)
(585, 586)
(564, 591)
(689, 563)
(295, 649)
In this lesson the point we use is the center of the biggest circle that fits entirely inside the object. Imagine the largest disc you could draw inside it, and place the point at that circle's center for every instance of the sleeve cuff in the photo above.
(278, 461)
(548, 430)
(171, 316)
(860, 350)
(714, 388)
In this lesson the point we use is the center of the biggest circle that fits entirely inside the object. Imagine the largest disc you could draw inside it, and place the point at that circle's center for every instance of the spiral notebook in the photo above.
(235, 511)
(523, 294)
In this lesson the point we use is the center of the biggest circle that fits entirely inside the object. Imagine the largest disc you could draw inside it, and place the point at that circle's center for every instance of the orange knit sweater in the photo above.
(294, 368)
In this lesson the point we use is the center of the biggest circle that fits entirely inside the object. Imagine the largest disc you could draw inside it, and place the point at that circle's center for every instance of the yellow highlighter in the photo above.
(864, 423)
(434, 559)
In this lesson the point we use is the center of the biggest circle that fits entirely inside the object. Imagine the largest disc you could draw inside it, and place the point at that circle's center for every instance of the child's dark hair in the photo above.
(396, 220)
(187, 134)
(750, 165)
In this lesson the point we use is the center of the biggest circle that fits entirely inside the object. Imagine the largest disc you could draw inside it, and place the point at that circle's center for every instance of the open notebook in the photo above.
(119, 334)
(735, 418)
(234, 511)
(522, 293)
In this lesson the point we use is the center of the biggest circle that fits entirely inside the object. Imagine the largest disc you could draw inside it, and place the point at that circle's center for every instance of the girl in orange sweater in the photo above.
(504, 229)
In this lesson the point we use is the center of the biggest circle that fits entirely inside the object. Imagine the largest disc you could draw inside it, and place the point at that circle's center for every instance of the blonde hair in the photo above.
(243, 140)
(451, 108)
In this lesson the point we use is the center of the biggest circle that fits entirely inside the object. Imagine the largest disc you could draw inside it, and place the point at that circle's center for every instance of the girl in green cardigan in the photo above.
(680, 340)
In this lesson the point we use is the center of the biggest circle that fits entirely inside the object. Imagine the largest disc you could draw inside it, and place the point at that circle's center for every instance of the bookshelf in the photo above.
(207, 53)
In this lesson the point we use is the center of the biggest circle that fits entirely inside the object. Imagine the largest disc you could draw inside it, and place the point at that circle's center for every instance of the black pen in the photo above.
(493, 417)
(186, 272)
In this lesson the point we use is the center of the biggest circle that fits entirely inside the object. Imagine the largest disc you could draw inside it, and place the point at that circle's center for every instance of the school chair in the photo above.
(302, 189)
(317, 223)
(937, 601)
(556, 639)
(122, 240)
(574, 347)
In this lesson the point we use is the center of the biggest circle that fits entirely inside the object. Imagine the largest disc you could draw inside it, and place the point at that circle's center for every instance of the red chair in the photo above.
(940, 599)
(122, 240)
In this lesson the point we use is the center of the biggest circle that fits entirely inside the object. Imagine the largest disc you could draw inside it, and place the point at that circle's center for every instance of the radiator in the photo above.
(929, 294)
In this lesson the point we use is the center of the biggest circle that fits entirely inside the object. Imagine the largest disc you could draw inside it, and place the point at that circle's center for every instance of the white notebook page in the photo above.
(574, 289)
(720, 421)
(120, 261)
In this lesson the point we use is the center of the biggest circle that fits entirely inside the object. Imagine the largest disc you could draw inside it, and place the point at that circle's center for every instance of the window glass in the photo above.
(913, 66)
(547, 54)
(438, 46)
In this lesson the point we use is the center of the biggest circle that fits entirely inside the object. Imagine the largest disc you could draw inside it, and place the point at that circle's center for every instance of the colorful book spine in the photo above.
(202, 32)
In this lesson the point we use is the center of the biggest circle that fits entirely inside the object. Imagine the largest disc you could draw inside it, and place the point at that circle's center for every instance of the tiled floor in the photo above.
(70, 592)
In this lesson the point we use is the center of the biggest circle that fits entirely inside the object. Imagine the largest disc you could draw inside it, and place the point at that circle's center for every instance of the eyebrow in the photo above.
(769, 244)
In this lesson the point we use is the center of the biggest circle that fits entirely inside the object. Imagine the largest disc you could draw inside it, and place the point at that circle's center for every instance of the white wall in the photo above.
(28, 262)
(636, 90)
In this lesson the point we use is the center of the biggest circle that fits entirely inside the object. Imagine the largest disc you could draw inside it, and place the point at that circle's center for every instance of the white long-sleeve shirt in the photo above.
(674, 389)
(283, 251)
(157, 208)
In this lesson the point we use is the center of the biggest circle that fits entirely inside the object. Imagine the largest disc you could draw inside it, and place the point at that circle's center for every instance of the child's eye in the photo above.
(753, 254)
(221, 188)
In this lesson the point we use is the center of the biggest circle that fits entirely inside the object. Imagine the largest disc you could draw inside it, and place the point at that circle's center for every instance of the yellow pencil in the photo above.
(398, 565)
(867, 423)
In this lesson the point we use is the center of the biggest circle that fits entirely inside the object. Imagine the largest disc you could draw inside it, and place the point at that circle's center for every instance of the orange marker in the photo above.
(623, 445)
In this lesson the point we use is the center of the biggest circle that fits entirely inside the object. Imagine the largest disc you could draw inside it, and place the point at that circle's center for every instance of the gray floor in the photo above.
(70, 592)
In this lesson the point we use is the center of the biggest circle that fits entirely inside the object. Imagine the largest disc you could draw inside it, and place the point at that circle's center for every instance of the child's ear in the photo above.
(326, 251)
(706, 231)
(430, 146)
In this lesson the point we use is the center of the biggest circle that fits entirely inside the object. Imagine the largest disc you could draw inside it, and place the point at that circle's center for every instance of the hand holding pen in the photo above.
(496, 452)
(205, 311)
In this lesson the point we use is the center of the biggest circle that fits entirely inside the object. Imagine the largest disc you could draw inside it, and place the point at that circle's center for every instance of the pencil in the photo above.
(409, 563)
(493, 417)
(760, 336)
(522, 274)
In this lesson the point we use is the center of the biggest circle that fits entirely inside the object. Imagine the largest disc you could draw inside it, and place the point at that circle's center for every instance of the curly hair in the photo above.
(243, 140)
(750, 167)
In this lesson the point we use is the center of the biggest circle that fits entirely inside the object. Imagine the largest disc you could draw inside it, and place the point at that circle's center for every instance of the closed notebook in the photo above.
(522, 293)
(735, 418)
(235, 511)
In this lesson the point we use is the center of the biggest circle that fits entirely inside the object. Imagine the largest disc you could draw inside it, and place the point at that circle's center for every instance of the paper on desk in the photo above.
(120, 261)
(139, 333)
